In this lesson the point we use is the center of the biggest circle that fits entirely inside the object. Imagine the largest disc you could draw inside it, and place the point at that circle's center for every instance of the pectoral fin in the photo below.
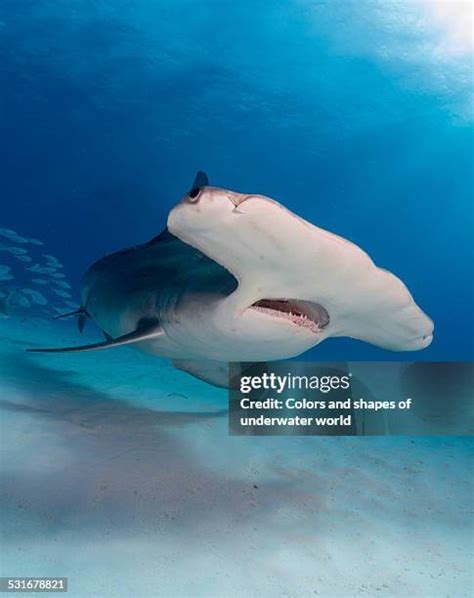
(214, 372)
(142, 333)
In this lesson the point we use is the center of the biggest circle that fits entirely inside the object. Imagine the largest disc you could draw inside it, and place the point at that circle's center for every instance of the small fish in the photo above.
(35, 296)
(20, 300)
(35, 242)
(61, 283)
(61, 293)
(41, 269)
(24, 258)
(57, 275)
(6, 232)
(46, 270)
(13, 250)
(72, 305)
(11, 235)
(52, 261)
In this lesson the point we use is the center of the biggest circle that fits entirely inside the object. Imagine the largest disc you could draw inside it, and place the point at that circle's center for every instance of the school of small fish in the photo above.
(31, 282)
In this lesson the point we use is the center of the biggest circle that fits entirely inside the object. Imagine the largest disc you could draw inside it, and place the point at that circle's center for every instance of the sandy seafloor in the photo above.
(118, 472)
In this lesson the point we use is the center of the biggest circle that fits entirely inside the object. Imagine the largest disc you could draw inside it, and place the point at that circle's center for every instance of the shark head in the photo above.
(297, 284)
(263, 318)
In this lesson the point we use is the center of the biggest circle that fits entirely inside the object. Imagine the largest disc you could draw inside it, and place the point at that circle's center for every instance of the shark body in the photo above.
(238, 277)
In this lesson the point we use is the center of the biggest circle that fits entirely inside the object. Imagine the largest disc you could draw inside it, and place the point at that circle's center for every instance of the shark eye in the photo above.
(193, 195)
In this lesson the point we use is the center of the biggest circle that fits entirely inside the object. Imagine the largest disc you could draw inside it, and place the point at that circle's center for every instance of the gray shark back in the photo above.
(164, 268)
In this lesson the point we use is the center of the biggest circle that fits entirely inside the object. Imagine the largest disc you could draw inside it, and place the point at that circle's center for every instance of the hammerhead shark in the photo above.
(237, 277)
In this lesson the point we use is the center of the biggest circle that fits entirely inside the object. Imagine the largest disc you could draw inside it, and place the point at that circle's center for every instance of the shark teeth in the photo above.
(279, 309)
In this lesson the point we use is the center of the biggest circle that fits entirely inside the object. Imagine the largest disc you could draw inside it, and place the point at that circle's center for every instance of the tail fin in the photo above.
(81, 321)
(76, 312)
(81, 317)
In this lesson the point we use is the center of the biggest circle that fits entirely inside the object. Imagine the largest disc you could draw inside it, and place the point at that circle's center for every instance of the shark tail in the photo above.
(81, 315)
(76, 312)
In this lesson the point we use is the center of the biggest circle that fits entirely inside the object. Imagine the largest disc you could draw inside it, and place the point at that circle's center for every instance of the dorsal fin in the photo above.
(142, 333)
(200, 180)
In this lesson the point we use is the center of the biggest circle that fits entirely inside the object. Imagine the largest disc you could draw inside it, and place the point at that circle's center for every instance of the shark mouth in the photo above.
(304, 314)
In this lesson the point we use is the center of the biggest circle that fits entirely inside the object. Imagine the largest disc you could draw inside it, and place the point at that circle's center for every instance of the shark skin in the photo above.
(239, 278)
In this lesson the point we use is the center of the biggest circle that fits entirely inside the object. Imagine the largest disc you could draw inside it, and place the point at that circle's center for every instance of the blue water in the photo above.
(344, 112)
(358, 116)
